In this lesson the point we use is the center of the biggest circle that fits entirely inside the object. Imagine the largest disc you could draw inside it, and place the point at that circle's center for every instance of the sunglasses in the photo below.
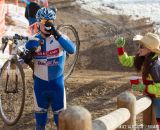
(141, 46)
(43, 21)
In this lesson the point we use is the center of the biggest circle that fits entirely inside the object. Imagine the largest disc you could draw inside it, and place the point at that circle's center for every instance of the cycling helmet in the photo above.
(46, 13)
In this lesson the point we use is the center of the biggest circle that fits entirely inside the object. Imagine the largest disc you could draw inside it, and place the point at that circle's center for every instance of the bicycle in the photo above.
(12, 82)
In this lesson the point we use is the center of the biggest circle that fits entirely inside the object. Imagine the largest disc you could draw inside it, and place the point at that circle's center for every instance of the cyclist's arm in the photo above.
(125, 60)
(67, 44)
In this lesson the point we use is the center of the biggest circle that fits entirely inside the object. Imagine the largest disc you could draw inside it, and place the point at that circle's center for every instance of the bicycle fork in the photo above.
(15, 89)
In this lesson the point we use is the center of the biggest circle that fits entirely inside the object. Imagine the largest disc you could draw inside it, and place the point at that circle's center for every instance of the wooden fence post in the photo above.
(128, 100)
(75, 118)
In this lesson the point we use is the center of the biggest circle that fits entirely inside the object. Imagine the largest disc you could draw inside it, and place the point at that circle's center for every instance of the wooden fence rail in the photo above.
(112, 120)
(78, 118)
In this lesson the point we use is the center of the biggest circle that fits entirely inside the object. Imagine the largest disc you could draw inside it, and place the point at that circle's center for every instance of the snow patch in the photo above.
(135, 8)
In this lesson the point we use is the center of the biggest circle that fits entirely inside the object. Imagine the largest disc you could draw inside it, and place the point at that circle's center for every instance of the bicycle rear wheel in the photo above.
(71, 60)
(12, 92)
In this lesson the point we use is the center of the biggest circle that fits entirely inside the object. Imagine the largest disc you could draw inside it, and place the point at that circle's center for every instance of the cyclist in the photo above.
(145, 61)
(49, 61)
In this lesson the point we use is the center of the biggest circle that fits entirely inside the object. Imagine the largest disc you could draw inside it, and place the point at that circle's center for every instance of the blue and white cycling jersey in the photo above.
(49, 61)
(48, 76)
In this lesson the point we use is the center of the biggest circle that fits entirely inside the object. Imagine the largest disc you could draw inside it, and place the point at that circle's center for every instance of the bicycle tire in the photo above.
(7, 97)
(73, 35)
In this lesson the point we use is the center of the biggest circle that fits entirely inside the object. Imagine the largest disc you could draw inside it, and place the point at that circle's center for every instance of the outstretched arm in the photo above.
(125, 60)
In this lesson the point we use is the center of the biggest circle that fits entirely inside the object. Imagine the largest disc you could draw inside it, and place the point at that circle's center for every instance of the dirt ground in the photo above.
(98, 77)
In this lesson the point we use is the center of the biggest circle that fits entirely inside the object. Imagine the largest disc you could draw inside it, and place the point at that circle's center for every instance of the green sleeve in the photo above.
(154, 89)
(125, 60)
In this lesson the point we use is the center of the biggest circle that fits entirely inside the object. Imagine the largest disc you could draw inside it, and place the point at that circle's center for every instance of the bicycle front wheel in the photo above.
(12, 92)
(71, 60)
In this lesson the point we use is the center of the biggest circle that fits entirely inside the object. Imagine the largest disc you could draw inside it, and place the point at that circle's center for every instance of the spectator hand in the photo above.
(139, 87)
(120, 42)
(49, 27)
(154, 90)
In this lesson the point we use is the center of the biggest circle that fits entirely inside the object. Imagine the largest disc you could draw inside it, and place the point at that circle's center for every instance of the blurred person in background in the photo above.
(31, 10)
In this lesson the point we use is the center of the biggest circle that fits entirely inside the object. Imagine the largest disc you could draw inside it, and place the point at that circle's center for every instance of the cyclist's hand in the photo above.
(32, 45)
(120, 42)
(139, 87)
(49, 27)
(27, 55)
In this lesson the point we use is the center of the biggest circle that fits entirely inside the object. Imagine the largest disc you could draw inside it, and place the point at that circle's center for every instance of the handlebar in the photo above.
(14, 38)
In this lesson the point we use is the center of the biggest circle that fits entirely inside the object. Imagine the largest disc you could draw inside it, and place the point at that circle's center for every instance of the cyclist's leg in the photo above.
(41, 103)
(58, 102)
